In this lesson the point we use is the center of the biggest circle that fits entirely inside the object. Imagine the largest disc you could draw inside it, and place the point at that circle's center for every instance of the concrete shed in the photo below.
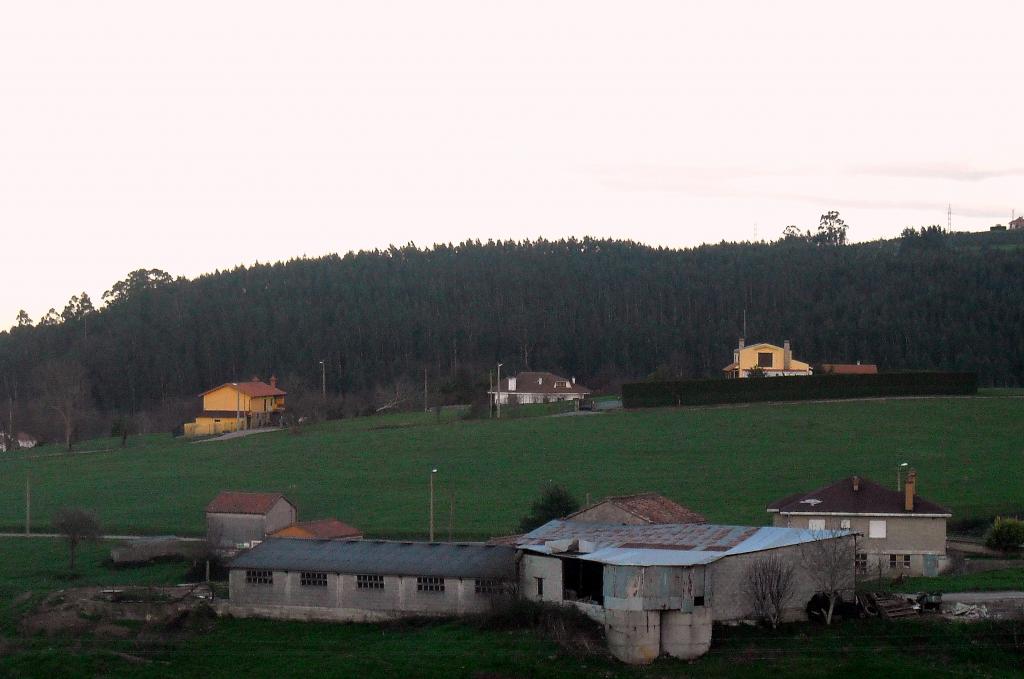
(237, 520)
(366, 580)
(658, 588)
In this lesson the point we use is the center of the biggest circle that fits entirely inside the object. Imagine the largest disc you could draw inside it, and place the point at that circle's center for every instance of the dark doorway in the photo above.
(583, 581)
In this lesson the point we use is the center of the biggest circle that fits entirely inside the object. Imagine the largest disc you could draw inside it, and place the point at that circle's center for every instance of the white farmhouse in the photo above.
(537, 387)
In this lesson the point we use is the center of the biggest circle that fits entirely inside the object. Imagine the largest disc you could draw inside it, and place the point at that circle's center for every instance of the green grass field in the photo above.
(260, 648)
(726, 462)
(1007, 579)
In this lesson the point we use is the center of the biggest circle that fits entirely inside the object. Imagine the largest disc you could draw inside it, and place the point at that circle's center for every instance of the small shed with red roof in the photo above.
(321, 529)
(236, 519)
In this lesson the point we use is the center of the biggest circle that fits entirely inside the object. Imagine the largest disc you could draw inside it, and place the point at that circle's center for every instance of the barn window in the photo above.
(844, 524)
(698, 601)
(816, 524)
(876, 529)
(861, 562)
(253, 577)
(540, 587)
(492, 586)
(899, 561)
(428, 584)
(764, 359)
(313, 579)
(369, 582)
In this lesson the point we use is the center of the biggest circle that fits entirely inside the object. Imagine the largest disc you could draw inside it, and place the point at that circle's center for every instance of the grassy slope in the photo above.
(726, 462)
(259, 648)
(989, 581)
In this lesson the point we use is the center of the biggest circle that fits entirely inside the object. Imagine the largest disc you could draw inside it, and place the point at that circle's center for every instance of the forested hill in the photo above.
(596, 309)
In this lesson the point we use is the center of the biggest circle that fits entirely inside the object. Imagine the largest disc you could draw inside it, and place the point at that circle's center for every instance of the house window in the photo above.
(861, 562)
(816, 524)
(876, 529)
(540, 587)
(313, 579)
(427, 584)
(491, 586)
(844, 524)
(369, 582)
(764, 359)
(253, 577)
(899, 561)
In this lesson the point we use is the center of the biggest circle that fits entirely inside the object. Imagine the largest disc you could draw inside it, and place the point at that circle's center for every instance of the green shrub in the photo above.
(796, 388)
(1006, 535)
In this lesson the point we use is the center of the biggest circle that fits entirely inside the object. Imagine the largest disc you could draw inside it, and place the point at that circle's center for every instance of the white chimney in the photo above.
(574, 381)
(511, 384)
(787, 355)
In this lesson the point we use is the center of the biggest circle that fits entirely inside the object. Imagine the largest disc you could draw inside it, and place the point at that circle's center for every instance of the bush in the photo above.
(798, 388)
(554, 503)
(1006, 535)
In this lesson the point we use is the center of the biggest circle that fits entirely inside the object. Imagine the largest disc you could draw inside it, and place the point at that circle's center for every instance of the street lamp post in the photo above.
(497, 399)
(899, 475)
(432, 473)
(323, 379)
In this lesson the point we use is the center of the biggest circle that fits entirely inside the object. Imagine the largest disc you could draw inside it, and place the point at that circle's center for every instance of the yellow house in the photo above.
(771, 360)
(238, 405)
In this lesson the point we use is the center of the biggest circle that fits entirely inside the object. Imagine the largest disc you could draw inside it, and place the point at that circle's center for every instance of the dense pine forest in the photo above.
(600, 310)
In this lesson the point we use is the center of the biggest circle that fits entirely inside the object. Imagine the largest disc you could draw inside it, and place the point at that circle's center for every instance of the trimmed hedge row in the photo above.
(815, 387)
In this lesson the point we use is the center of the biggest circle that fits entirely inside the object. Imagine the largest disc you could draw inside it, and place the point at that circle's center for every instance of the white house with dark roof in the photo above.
(901, 532)
(537, 387)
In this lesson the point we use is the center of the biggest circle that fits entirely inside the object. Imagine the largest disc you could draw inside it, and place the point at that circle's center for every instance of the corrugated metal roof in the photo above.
(381, 557)
(662, 544)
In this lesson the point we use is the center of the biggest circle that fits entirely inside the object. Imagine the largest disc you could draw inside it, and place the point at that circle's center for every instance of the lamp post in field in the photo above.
(899, 475)
(497, 398)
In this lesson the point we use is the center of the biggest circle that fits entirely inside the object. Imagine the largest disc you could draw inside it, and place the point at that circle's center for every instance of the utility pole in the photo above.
(497, 399)
(425, 408)
(433, 472)
(451, 514)
(323, 379)
(28, 496)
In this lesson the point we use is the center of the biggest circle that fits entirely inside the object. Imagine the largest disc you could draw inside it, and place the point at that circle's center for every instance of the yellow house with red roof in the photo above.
(765, 359)
(234, 406)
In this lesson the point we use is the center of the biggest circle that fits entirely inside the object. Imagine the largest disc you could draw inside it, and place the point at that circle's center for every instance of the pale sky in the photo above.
(192, 136)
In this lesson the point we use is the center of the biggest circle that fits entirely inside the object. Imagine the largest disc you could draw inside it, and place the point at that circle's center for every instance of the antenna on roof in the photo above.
(949, 217)
(744, 323)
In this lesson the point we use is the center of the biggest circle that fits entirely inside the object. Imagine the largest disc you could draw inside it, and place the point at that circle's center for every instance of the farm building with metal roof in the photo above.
(657, 588)
(363, 580)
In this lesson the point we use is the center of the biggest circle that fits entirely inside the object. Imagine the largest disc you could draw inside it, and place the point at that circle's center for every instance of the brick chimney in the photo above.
(909, 490)
(856, 484)
(787, 355)
(273, 381)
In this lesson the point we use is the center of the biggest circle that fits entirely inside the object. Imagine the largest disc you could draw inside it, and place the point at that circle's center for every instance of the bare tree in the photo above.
(76, 525)
(65, 390)
(829, 560)
(768, 584)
